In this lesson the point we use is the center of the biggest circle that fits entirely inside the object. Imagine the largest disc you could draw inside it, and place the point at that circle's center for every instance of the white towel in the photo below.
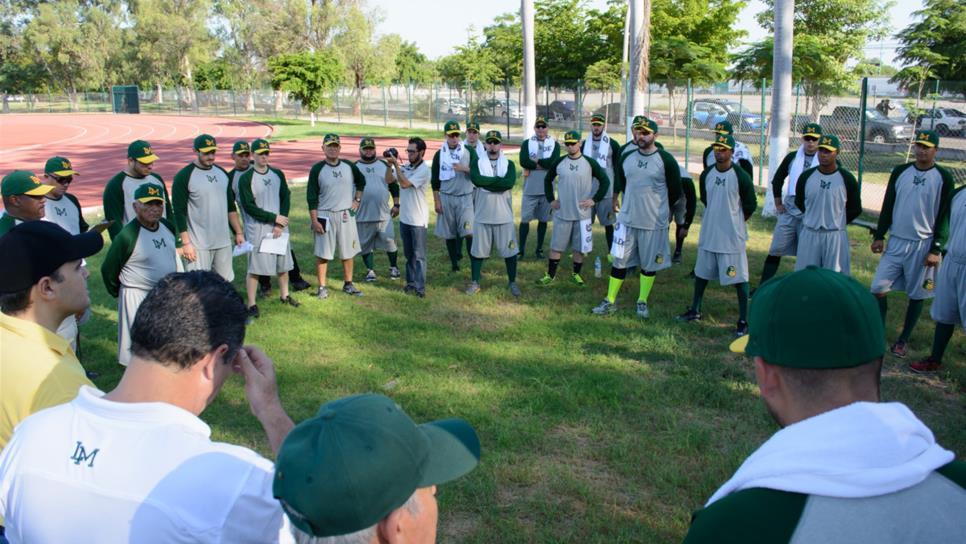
(864, 449)
(742, 153)
(447, 158)
(795, 170)
(603, 152)
(480, 149)
(534, 148)
(486, 169)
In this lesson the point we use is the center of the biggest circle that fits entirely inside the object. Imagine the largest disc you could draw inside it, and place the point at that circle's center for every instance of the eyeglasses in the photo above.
(571, 143)
(540, 126)
(63, 181)
(810, 138)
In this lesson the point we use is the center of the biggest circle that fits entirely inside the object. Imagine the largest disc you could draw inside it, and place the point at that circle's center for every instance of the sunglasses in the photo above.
(63, 181)
(810, 138)
(540, 126)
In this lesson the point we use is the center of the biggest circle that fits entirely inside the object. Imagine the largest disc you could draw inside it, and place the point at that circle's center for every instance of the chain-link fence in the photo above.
(875, 123)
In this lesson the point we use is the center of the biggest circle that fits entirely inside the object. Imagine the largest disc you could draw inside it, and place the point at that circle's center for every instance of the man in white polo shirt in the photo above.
(137, 464)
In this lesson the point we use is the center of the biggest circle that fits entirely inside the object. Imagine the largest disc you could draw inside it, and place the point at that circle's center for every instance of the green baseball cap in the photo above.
(638, 121)
(472, 125)
(812, 129)
(723, 127)
(724, 140)
(571, 137)
(205, 143)
(813, 318)
(647, 125)
(23, 182)
(241, 146)
(361, 457)
(493, 136)
(59, 166)
(331, 139)
(146, 192)
(451, 127)
(260, 146)
(367, 143)
(597, 119)
(928, 138)
(541, 120)
(141, 151)
(829, 142)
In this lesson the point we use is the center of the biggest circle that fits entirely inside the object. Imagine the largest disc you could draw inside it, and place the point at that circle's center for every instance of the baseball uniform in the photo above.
(575, 183)
(263, 196)
(534, 152)
(455, 192)
(606, 152)
(949, 305)
(119, 199)
(373, 220)
(136, 261)
(493, 205)
(829, 202)
(788, 229)
(202, 199)
(742, 157)
(728, 198)
(66, 212)
(331, 190)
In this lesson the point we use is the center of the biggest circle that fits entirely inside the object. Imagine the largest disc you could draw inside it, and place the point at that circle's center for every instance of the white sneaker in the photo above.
(642, 311)
(473, 289)
(371, 276)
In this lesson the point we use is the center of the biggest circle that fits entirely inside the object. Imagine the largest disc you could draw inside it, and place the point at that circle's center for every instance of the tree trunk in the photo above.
(312, 118)
(279, 103)
(159, 98)
(6, 103)
(249, 101)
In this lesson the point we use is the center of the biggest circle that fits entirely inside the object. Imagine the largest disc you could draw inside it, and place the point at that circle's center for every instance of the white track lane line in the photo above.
(55, 143)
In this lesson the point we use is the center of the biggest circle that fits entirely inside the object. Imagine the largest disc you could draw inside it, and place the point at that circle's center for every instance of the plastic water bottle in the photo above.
(597, 267)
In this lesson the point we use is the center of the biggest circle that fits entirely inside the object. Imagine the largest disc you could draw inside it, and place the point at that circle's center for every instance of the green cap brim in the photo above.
(454, 450)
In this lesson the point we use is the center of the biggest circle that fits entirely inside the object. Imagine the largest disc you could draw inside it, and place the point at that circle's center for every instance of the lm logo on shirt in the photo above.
(719, 181)
(824, 183)
(574, 167)
(61, 211)
(267, 181)
(80, 455)
(642, 164)
(918, 180)
(158, 244)
(211, 179)
(336, 174)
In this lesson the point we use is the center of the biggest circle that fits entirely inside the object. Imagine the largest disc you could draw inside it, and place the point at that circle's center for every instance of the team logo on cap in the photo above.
(826, 141)
(148, 151)
(719, 126)
(243, 147)
(35, 179)
(154, 191)
(731, 272)
(923, 136)
(65, 165)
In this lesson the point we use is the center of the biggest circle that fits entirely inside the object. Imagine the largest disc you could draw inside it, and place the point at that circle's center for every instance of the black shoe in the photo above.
(264, 289)
(253, 312)
(350, 289)
(689, 316)
(539, 254)
(691, 275)
(456, 268)
(290, 301)
(299, 285)
(91, 375)
(741, 329)
(409, 289)
(676, 258)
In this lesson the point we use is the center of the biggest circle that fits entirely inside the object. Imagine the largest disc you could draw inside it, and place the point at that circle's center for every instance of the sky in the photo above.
(438, 30)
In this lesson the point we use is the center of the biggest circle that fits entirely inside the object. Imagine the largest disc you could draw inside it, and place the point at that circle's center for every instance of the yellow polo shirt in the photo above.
(37, 370)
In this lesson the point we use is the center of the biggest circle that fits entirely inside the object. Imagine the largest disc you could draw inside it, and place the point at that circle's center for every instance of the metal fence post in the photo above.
(506, 87)
(338, 111)
(409, 96)
(863, 99)
(762, 144)
(385, 107)
(435, 106)
(687, 124)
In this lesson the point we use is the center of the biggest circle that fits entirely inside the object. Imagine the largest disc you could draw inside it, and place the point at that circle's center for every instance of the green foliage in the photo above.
(873, 68)
(412, 66)
(473, 64)
(603, 75)
(365, 59)
(172, 38)
(216, 74)
(934, 46)
(308, 77)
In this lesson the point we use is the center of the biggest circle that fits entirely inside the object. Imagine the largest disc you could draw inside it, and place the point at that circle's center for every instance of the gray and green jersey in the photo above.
(828, 201)
(66, 212)
(916, 204)
(202, 199)
(460, 183)
(332, 188)
(493, 205)
(533, 184)
(263, 196)
(768, 515)
(741, 152)
(956, 244)
(607, 156)
(139, 257)
(575, 183)
(729, 200)
(119, 199)
(651, 184)
(375, 199)
(235, 175)
(781, 174)
(7, 222)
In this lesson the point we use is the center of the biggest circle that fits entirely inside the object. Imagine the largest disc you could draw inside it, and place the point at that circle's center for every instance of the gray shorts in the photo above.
(567, 235)
(902, 268)
(603, 212)
(502, 237)
(949, 305)
(534, 208)
(216, 260)
(727, 268)
(376, 235)
(129, 299)
(788, 230)
(457, 217)
(340, 236)
(828, 249)
(648, 250)
(266, 264)
(679, 211)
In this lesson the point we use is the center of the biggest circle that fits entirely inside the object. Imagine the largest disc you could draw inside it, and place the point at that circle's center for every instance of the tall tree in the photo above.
(412, 66)
(365, 59)
(933, 47)
(307, 77)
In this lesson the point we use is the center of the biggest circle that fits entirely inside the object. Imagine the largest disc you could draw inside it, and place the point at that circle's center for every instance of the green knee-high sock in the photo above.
(541, 234)
(476, 268)
(883, 307)
(912, 317)
(511, 269)
(647, 282)
(469, 245)
(452, 248)
(944, 332)
(393, 256)
(524, 232)
(613, 286)
(368, 260)
(742, 289)
(699, 286)
(770, 268)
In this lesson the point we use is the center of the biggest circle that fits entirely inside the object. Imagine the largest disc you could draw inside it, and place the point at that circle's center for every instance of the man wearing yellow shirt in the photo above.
(42, 282)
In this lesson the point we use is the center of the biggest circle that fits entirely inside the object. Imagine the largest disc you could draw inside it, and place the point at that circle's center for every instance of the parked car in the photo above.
(709, 112)
(499, 107)
(880, 129)
(450, 106)
(559, 110)
(612, 112)
(945, 121)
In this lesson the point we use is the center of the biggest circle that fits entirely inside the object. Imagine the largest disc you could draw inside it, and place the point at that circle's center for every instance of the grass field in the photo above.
(593, 429)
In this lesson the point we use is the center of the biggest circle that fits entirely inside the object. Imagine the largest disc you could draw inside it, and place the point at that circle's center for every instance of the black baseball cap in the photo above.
(35, 249)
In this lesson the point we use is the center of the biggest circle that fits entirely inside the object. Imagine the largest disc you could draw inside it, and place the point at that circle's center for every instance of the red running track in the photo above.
(96, 144)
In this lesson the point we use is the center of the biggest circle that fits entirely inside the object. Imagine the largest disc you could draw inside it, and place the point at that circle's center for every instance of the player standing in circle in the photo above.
(650, 181)
(374, 217)
(473, 140)
(119, 191)
(538, 154)
(829, 198)
(742, 155)
(453, 193)
(606, 151)
(915, 211)
(729, 200)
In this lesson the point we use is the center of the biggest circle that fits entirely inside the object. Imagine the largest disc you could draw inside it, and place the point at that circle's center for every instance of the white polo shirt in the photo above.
(107, 471)
(412, 200)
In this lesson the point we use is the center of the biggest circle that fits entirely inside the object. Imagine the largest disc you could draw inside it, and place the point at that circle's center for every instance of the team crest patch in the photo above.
(929, 284)
(731, 272)
(659, 259)
(511, 245)
(353, 244)
(466, 226)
